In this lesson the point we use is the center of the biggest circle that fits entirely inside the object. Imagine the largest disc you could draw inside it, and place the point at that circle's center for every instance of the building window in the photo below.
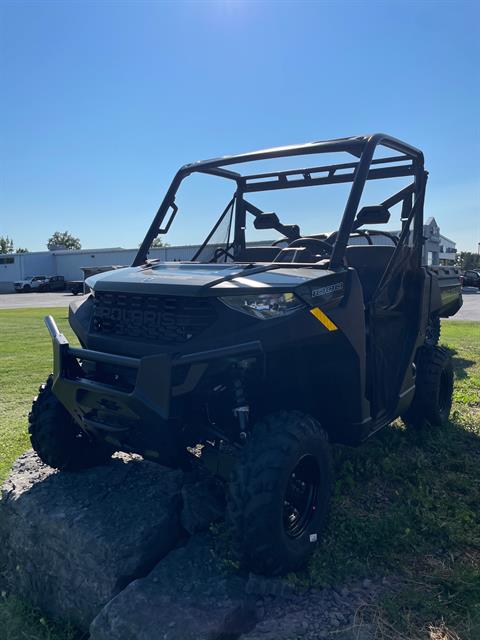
(7, 260)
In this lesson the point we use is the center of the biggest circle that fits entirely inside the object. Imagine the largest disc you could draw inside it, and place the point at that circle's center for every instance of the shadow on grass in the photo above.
(459, 364)
(406, 504)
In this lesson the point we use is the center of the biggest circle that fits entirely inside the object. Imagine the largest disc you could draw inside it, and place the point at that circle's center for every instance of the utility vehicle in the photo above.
(55, 283)
(252, 359)
(75, 286)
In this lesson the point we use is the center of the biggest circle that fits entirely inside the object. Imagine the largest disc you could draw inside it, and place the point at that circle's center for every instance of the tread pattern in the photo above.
(432, 362)
(56, 438)
(255, 489)
(434, 330)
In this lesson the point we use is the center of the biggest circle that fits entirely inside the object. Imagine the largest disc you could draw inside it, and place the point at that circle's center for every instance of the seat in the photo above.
(259, 254)
(370, 261)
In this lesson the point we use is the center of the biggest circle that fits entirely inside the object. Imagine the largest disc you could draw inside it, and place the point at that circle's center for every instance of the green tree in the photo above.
(63, 239)
(158, 242)
(21, 250)
(467, 260)
(6, 244)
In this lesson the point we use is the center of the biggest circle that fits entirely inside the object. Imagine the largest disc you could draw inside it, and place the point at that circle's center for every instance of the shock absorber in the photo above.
(242, 409)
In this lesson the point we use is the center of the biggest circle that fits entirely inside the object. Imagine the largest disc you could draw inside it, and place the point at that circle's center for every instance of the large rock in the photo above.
(193, 595)
(203, 503)
(71, 541)
(190, 595)
(97, 545)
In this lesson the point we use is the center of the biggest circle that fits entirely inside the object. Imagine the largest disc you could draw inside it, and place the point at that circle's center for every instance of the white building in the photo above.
(437, 249)
(69, 263)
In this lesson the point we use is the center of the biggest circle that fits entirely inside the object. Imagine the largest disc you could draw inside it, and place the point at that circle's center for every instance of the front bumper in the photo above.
(141, 413)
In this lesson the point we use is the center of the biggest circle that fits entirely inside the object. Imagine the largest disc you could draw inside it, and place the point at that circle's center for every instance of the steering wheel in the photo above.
(313, 244)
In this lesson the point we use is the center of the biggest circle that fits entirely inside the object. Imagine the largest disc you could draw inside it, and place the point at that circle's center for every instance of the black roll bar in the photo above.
(361, 147)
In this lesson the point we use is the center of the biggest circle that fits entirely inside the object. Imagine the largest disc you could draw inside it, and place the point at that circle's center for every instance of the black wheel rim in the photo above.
(301, 496)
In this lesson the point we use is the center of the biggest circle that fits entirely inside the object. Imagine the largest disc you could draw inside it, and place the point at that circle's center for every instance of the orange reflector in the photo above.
(324, 319)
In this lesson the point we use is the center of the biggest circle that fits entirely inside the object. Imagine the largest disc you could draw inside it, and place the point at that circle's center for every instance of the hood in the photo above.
(189, 279)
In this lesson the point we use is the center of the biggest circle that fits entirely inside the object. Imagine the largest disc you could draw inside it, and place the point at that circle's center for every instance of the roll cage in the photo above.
(410, 162)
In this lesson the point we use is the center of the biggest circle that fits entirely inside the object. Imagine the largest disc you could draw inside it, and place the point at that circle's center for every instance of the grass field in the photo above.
(407, 503)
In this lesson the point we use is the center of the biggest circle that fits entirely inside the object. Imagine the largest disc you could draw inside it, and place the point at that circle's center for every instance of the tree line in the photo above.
(466, 260)
(59, 240)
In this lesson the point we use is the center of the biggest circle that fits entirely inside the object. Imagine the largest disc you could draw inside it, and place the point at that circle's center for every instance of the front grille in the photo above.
(153, 318)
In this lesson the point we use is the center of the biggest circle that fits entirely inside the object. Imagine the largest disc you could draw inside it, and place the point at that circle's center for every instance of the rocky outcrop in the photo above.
(72, 541)
(108, 549)
(203, 502)
(190, 595)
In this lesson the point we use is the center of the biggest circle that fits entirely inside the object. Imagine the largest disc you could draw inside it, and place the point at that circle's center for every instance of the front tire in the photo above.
(57, 439)
(434, 388)
(280, 492)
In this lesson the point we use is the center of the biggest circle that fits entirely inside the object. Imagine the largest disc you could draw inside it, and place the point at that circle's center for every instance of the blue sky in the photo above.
(101, 102)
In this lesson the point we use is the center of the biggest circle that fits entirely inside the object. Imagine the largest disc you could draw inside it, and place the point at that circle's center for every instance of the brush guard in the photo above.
(107, 411)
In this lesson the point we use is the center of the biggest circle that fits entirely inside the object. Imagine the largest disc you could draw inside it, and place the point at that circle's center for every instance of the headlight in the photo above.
(264, 306)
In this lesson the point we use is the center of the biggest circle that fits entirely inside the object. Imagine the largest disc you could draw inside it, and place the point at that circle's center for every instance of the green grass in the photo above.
(406, 503)
(21, 622)
(25, 362)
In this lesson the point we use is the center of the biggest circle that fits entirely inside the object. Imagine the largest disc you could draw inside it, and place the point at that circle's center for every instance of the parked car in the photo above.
(250, 361)
(471, 278)
(31, 283)
(55, 283)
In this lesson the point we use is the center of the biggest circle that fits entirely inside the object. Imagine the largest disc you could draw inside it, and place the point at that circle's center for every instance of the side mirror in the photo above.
(373, 214)
(266, 221)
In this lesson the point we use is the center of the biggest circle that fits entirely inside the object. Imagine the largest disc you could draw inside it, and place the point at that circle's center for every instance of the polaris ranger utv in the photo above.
(250, 360)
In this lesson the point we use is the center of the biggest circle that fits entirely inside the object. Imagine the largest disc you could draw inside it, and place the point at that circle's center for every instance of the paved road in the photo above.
(471, 305)
(31, 300)
(469, 311)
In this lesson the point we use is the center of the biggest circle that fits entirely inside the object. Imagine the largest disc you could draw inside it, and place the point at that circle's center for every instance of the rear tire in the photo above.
(432, 334)
(434, 388)
(280, 492)
(57, 439)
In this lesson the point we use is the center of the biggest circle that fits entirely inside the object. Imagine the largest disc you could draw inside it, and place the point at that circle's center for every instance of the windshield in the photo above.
(265, 213)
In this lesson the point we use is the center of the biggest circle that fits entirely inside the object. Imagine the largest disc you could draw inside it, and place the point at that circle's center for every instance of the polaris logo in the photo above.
(157, 318)
(325, 291)
(149, 318)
